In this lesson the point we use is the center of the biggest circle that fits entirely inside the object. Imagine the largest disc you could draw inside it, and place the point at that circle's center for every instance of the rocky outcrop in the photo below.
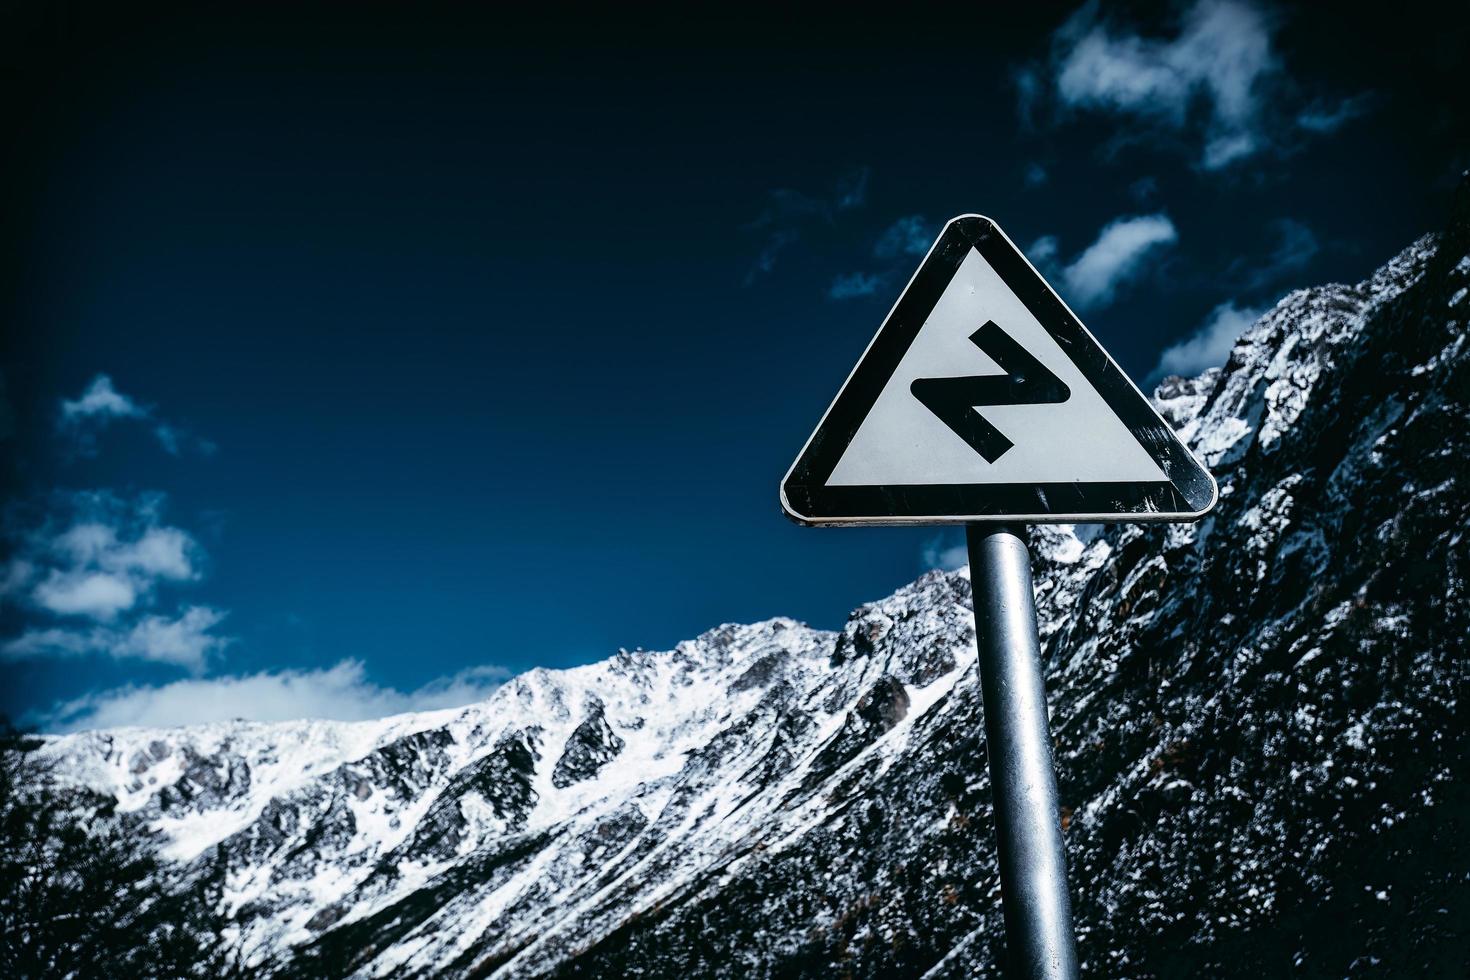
(592, 745)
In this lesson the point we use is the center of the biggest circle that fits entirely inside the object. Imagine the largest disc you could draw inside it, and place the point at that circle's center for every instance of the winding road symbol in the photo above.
(954, 400)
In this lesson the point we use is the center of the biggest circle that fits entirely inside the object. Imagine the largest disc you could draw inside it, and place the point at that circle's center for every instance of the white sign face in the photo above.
(902, 441)
(984, 398)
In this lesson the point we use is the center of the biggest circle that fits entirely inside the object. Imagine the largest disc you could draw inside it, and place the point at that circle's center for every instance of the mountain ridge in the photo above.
(1258, 725)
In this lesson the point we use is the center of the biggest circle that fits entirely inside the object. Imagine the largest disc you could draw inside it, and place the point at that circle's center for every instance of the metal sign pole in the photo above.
(1033, 870)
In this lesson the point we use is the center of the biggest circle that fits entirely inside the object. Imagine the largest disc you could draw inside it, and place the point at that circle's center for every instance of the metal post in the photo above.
(1033, 870)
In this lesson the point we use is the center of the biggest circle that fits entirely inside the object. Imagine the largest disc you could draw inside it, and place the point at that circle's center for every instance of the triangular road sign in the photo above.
(984, 398)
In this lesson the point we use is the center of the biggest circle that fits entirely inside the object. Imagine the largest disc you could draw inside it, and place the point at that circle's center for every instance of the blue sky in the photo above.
(354, 362)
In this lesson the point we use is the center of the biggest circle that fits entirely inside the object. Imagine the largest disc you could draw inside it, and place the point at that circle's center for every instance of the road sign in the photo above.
(984, 398)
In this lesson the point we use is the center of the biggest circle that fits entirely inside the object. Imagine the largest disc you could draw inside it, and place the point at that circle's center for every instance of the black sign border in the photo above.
(1188, 495)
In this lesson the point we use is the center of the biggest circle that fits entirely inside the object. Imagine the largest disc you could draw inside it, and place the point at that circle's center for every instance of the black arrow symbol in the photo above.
(1026, 382)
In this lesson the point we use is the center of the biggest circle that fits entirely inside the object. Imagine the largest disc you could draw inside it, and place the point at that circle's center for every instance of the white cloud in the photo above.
(96, 595)
(946, 551)
(906, 236)
(854, 284)
(53, 642)
(97, 555)
(1043, 250)
(100, 404)
(161, 551)
(183, 641)
(1209, 346)
(1214, 78)
(157, 551)
(1222, 58)
(1094, 277)
(101, 400)
(100, 558)
(341, 692)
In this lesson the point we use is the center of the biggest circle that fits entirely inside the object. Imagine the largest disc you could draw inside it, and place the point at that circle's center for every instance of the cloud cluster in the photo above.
(88, 574)
(100, 404)
(342, 692)
(909, 235)
(947, 551)
(1216, 81)
(1091, 280)
(1094, 277)
(1296, 245)
(1221, 59)
(91, 568)
(1117, 257)
(1209, 346)
(184, 640)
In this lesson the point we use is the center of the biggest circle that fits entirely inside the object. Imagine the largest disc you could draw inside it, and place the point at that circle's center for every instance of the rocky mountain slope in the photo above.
(1259, 726)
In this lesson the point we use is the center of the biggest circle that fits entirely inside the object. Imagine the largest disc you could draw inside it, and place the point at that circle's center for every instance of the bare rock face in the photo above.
(1259, 721)
(592, 745)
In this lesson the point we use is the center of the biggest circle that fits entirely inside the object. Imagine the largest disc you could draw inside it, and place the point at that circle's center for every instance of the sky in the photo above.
(357, 358)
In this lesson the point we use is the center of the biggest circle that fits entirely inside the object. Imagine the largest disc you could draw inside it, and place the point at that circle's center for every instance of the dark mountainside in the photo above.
(1259, 723)
(1258, 720)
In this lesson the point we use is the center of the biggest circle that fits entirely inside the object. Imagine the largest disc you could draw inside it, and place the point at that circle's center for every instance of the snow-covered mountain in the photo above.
(1259, 722)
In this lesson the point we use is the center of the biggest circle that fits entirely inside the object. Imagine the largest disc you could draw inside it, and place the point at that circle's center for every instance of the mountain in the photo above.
(1259, 725)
